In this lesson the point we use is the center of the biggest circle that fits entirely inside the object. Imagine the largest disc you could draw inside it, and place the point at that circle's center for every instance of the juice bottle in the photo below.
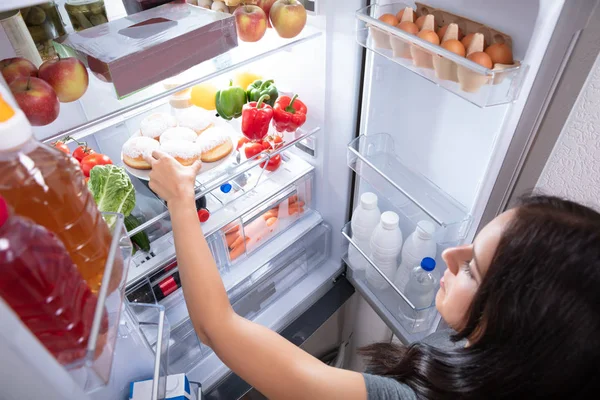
(47, 186)
(41, 284)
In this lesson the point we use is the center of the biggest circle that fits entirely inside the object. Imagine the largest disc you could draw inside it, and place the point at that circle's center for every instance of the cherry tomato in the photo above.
(272, 142)
(62, 147)
(273, 163)
(82, 152)
(252, 149)
(92, 160)
(243, 140)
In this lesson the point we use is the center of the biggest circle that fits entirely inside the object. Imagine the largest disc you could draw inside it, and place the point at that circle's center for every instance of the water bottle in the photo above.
(420, 289)
(420, 244)
(385, 245)
(364, 220)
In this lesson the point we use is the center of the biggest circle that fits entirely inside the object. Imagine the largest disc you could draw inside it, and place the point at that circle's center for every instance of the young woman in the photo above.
(524, 299)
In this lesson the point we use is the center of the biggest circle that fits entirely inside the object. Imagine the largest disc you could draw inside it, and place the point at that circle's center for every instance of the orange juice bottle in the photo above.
(47, 186)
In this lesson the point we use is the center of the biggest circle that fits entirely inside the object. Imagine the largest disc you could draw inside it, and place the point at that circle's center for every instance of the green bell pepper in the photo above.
(259, 88)
(230, 101)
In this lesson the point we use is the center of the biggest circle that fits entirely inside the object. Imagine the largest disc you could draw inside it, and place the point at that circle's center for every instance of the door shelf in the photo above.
(373, 158)
(479, 85)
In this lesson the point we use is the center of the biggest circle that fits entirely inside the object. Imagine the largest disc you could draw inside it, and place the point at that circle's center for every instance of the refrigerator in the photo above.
(443, 150)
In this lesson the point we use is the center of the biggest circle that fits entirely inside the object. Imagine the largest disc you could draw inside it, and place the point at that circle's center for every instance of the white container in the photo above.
(418, 245)
(385, 244)
(420, 290)
(364, 220)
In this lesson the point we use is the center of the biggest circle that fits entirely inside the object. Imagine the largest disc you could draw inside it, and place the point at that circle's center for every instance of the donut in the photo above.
(184, 151)
(196, 119)
(136, 148)
(155, 124)
(215, 144)
(178, 133)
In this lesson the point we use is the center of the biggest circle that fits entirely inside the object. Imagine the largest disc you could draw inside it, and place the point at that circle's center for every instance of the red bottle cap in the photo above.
(4, 213)
(203, 215)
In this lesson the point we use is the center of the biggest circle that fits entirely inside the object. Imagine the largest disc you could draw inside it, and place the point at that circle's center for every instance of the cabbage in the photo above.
(112, 189)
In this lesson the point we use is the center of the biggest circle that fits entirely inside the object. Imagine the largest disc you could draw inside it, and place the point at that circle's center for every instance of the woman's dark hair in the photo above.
(534, 323)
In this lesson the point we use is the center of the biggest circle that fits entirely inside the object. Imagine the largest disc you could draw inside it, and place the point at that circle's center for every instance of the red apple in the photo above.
(266, 7)
(13, 68)
(251, 23)
(288, 17)
(67, 76)
(37, 100)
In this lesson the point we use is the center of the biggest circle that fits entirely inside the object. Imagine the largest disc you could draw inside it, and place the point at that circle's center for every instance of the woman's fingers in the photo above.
(196, 166)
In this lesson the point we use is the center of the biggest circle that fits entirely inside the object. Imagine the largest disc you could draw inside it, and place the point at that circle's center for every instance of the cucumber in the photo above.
(140, 238)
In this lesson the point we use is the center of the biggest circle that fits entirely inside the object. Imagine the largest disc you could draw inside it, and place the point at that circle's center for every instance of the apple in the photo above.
(266, 7)
(288, 18)
(67, 76)
(13, 68)
(251, 23)
(37, 99)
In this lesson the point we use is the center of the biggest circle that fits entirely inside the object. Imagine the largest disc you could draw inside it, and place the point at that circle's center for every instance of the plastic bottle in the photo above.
(420, 289)
(47, 186)
(418, 245)
(41, 284)
(386, 244)
(364, 220)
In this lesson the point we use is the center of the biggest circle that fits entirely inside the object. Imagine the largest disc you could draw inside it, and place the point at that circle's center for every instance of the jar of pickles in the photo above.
(44, 24)
(135, 6)
(86, 13)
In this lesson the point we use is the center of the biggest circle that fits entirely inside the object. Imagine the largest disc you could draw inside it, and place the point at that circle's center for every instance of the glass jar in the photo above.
(135, 6)
(86, 13)
(44, 24)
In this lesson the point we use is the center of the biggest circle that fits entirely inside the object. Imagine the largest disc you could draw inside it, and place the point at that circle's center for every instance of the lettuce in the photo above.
(112, 189)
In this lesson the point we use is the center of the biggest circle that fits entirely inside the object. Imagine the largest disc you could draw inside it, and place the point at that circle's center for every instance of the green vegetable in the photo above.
(259, 88)
(230, 101)
(112, 189)
(140, 238)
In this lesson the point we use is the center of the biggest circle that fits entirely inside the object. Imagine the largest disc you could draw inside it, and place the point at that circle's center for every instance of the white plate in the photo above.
(144, 174)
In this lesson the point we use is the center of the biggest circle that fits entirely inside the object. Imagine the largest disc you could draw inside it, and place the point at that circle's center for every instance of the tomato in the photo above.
(62, 147)
(273, 163)
(243, 140)
(82, 151)
(253, 148)
(272, 142)
(92, 160)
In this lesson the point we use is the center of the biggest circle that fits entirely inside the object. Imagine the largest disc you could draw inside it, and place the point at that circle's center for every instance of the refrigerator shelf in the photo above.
(479, 85)
(100, 108)
(373, 158)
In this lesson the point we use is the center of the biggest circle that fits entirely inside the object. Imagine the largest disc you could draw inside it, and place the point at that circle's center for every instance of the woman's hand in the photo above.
(170, 180)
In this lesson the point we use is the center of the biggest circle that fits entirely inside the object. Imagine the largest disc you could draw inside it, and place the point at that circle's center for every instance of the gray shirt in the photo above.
(382, 388)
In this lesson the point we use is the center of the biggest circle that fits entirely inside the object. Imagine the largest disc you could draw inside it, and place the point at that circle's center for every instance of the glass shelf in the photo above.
(99, 108)
(479, 85)
(373, 158)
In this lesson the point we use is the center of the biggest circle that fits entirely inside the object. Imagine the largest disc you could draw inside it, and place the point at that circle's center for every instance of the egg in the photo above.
(420, 21)
(500, 53)
(409, 27)
(466, 41)
(442, 32)
(430, 36)
(389, 19)
(454, 46)
(481, 58)
(401, 14)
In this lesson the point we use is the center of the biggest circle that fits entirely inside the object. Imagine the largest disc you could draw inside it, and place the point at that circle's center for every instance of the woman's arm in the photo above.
(268, 362)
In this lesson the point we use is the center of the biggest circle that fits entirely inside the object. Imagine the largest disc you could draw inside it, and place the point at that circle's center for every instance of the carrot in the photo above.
(270, 214)
(231, 238)
(271, 221)
(238, 242)
(295, 209)
(235, 253)
(232, 229)
(292, 199)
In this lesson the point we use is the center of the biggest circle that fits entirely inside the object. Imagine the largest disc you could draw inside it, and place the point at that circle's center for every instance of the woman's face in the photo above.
(467, 265)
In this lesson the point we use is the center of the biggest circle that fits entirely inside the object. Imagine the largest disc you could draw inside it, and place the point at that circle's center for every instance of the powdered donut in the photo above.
(184, 151)
(178, 133)
(155, 124)
(215, 144)
(136, 148)
(196, 119)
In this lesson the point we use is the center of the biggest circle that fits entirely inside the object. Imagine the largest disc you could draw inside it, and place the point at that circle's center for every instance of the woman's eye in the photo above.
(467, 269)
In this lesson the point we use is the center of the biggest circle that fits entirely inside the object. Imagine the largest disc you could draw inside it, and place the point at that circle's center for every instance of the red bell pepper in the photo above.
(289, 114)
(256, 117)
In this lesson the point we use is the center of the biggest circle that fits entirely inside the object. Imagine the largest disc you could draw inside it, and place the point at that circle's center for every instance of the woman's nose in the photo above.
(455, 256)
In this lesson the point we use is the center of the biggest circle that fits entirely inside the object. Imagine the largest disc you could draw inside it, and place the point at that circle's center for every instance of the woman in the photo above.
(524, 299)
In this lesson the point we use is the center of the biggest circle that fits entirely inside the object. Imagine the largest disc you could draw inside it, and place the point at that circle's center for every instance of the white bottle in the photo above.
(386, 244)
(420, 289)
(418, 245)
(364, 220)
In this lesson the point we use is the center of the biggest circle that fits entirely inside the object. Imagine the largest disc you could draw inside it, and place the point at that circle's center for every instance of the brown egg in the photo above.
(389, 19)
(401, 14)
(409, 27)
(454, 46)
(481, 58)
(420, 21)
(466, 41)
(430, 36)
(442, 32)
(500, 53)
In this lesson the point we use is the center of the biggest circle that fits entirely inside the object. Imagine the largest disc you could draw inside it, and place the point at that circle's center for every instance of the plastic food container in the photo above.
(86, 14)
(135, 6)
(44, 24)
